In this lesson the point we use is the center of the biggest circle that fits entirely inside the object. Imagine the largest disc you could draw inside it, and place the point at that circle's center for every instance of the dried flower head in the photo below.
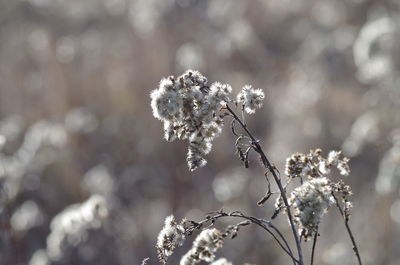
(311, 201)
(188, 108)
(313, 165)
(171, 236)
(204, 247)
(250, 98)
(303, 165)
(73, 224)
(345, 192)
(334, 159)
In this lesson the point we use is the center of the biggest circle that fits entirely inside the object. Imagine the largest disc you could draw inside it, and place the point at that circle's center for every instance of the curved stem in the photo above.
(268, 165)
(260, 223)
(314, 245)
(269, 223)
(252, 219)
(346, 223)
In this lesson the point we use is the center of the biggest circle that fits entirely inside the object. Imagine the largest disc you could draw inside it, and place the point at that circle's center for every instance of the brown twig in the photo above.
(268, 165)
(314, 245)
(260, 222)
(346, 222)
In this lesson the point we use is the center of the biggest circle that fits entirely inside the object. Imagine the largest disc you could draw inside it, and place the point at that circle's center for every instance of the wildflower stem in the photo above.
(314, 245)
(260, 222)
(268, 165)
(346, 222)
(269, 223)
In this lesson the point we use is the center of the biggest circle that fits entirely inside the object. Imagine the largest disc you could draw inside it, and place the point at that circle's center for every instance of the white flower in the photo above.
(313, 165)
(333, 157)
(250, 98)
(171, 236)
(343, 167)
(166, 104)
(204, 247)
(72, 224)
(193, 78)
(188, 108)
(301, 166)
(310, 202)
(220, 91)
(341, 164)
(324, 167)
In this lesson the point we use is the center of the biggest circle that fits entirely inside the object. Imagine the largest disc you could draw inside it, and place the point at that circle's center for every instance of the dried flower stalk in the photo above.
(191, 110)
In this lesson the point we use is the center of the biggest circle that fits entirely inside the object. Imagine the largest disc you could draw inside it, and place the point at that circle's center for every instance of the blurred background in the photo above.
(85, 175)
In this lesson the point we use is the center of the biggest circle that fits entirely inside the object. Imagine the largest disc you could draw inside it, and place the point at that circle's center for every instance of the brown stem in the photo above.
(268, 165)
(269, 223)
(346, 223)
(254, 220)
(314, 245)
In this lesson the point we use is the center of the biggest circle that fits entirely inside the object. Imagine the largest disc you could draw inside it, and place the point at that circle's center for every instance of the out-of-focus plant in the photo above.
(69, 227)
(194, 111)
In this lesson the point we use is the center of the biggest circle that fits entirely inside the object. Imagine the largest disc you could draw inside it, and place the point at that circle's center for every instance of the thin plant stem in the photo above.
(346, 222)
(314, 245)
(252, 219)
(268, 165)
(269, 223)
(260, 223)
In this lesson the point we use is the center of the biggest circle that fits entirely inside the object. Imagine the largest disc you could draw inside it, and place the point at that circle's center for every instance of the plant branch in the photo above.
(346, 222)
(268, 165)
(269, 223)
(261, 223)
(314, 245)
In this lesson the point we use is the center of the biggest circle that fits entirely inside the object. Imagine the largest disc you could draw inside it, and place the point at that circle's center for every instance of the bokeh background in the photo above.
(75, 120)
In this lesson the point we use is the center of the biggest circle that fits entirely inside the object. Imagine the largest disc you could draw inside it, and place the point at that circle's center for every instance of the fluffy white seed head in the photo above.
(72, 224)
(188, 108)
(301, 166)
(343, 167)
(313, 165)
(171, 236)
(341, 163)
(324, 167)
(310, 202)
(166, 104)
(193, 78)
(250, 98)
(204, 247)
(333, 157)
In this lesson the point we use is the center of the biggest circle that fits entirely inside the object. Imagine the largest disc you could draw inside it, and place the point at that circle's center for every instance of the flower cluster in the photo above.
(301, 165)
(311, 201)
(171, 236)
(204, 247)
(70, 227)
(72, 224)
(313, 165)
(250, 98)
(345, 192)
(188, 108)
(332, 160)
